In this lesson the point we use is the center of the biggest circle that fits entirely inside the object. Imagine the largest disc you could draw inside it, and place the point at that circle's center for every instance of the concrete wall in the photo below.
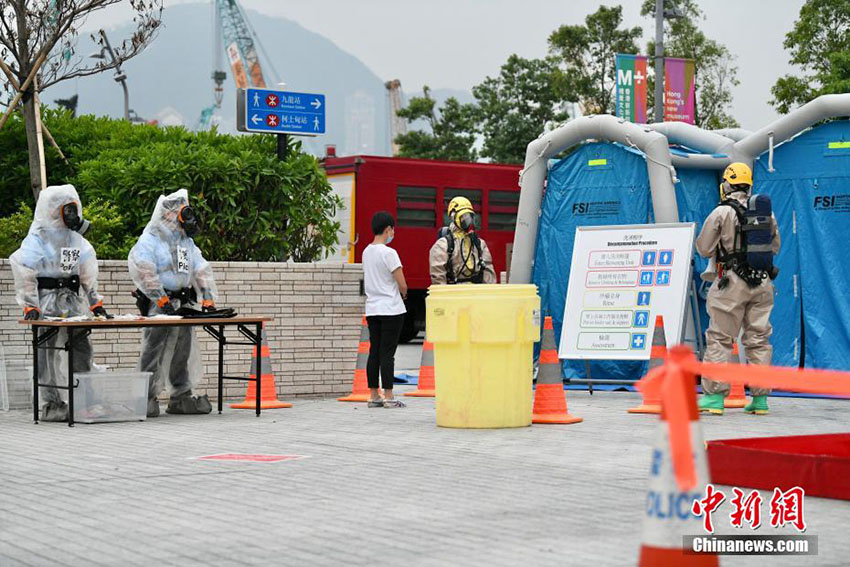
(317, 310)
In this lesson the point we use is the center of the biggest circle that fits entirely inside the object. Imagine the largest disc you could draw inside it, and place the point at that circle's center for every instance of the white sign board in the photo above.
(621, 278)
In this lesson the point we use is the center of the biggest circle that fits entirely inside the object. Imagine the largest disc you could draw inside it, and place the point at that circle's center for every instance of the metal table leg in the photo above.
(220, 366)
(69, 346)
(35, 373)
(259, 346)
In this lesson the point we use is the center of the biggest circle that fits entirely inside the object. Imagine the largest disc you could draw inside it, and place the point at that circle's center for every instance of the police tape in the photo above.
(674, 394)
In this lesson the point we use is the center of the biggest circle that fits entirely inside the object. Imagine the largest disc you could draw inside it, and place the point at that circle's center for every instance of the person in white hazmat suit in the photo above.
(55, 272)
(170, 272)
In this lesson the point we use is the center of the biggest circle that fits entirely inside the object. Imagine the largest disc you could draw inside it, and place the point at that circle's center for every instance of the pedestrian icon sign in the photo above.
(643, 298)
(280, 112)
(638, 341)
(641, 319)
(665, 258)
(646, 278)
(662, 277)
(648, 258)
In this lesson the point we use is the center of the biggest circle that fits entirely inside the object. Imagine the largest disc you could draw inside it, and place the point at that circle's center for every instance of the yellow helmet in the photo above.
(459, 204)
(462, 213)
(738, 174)
(734, 175)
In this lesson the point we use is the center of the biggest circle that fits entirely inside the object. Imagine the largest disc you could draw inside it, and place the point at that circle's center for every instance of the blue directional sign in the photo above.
(646, 278)
(638, 341)
(665, 258)
(643, 298)
(648, 258)
(280, 112)
(641, 319)
(662, 277)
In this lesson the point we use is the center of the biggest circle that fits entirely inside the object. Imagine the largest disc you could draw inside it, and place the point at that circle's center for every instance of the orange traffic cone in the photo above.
(651, 396)
(360, 390)
(550, 401)
(268, 392)
(669, 514)
(737, 397)
(426, 385)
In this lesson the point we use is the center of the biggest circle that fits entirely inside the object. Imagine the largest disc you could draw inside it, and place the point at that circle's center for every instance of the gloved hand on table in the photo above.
(32, 314)
(99, 311)
(165, 306)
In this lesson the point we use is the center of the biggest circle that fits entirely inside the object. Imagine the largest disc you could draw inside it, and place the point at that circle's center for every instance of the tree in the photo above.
(38, 48)
(514, 107)
(587, 54)
(451, 134)
(716, 73)
(820, 44)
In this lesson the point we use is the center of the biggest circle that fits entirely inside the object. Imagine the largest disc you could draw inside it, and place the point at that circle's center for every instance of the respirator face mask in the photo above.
(465, 221)
(71, 218)
(188, 221)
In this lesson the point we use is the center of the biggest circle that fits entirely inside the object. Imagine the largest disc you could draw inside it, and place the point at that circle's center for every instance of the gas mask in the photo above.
(188, 221)
(727, 189)
(71, 218)
(465, 220)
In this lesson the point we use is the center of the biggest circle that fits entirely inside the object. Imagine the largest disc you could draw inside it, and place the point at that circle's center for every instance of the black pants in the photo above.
(155, 340)
(384, 331)
(49, 370)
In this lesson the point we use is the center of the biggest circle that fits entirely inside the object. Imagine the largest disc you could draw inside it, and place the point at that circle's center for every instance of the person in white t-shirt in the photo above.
(386, 290)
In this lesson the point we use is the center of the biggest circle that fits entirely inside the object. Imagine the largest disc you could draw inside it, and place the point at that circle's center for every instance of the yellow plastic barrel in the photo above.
(483, 339)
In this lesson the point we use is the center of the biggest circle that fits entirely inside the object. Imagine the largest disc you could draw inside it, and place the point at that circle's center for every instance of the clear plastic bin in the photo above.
(118, 395)
(19, 383)
(4, 390)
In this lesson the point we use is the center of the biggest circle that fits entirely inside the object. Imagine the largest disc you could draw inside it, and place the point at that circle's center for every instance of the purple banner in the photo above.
(679, 92)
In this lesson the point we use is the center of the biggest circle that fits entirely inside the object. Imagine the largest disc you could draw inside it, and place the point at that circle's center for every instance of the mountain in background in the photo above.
(170, 81)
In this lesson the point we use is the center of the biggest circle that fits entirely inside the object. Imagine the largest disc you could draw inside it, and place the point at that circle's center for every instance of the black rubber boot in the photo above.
(153, 407)
(52, 411)
(187, 404)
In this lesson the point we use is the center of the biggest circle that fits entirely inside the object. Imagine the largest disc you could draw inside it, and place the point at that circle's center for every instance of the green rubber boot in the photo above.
(758, 406)
(712, 403)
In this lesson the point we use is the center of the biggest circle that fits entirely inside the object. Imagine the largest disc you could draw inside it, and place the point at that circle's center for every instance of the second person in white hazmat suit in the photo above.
(170, 272)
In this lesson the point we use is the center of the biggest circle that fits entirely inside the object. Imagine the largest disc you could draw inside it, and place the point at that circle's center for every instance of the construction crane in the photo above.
(233, 35)
(398, 125)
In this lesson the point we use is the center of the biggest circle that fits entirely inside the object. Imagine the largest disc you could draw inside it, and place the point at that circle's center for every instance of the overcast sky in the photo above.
(456, 43)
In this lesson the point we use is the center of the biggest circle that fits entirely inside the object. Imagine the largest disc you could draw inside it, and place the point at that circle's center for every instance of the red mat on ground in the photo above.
(820, 464)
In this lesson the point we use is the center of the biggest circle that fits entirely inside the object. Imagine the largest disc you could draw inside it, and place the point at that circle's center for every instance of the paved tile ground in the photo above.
(379, 487)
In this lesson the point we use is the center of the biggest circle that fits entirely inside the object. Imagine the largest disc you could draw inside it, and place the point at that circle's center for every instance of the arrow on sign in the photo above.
(256, 119)
(316, 104)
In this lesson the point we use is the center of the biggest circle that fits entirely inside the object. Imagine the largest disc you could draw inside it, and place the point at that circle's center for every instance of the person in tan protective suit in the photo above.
(742, 296)
(460, 255)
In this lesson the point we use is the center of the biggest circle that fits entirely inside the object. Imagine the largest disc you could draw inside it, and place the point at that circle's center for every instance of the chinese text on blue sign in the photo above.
(280, 112)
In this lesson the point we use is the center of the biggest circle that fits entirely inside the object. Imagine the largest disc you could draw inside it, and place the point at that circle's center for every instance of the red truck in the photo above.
(416, 192)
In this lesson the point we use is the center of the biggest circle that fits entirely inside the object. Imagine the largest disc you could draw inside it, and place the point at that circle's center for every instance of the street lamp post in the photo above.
(660, 15)
(659, 61)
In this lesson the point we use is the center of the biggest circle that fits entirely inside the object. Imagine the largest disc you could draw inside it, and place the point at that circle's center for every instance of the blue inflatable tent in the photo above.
(604, 184)
(810, 190)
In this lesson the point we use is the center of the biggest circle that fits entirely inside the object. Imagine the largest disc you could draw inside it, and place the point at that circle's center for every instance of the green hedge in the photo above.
(253, 206)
